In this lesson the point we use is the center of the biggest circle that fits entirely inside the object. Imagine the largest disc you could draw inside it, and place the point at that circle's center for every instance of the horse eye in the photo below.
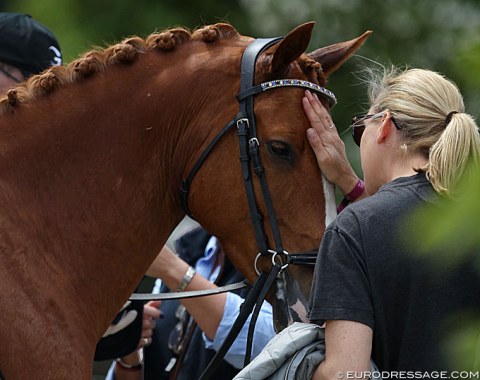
(280, 149)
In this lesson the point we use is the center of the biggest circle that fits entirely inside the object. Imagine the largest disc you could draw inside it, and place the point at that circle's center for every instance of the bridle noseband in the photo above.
(249, 151)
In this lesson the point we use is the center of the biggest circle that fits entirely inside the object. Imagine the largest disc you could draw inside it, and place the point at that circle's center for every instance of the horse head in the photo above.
(303, 200)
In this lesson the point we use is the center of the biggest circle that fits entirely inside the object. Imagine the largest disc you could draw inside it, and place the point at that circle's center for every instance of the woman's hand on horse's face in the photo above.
(327, 145)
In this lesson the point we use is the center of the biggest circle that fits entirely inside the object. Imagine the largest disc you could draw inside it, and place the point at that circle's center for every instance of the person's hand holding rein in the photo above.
(150, 314)
(129, 367)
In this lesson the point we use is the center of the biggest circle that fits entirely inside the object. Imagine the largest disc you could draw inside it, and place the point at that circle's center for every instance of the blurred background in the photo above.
(441, 35)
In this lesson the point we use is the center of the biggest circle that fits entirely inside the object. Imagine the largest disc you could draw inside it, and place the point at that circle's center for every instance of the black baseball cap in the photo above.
(27, 44)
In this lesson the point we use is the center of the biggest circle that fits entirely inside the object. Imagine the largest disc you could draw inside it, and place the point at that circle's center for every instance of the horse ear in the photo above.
(333, 56)
(292, 46)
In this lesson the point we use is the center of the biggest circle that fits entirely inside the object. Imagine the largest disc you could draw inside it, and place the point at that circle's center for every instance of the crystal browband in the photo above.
(332, 100)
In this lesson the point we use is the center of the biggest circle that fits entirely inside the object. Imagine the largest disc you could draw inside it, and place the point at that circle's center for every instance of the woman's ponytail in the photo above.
(455, 155)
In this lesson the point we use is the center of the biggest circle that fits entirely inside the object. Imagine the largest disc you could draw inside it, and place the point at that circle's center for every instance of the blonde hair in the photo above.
(430, 111)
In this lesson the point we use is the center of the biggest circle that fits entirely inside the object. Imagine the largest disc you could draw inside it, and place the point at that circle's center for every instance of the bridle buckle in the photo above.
(241, 121)
(274, 254)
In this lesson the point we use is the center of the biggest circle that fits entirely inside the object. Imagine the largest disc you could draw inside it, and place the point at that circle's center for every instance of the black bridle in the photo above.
(250, 157)
(249, 151)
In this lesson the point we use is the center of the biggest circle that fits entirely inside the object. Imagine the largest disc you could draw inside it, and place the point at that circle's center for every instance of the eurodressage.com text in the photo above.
(379, 375)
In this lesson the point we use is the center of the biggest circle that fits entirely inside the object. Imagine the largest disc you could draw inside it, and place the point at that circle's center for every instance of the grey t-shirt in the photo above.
(366, 272)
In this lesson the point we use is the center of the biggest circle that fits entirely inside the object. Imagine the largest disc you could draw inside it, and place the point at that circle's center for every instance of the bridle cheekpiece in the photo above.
(249, 145)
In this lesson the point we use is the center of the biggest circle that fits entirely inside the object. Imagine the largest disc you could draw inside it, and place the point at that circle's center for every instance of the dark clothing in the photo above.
(190, 247)
(124, 341)
(368, 271)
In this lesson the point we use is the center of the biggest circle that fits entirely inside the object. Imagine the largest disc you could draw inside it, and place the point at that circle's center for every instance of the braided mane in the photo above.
(99, 59)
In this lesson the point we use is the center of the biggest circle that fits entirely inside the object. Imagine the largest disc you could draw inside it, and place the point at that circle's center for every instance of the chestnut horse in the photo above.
(92, 158)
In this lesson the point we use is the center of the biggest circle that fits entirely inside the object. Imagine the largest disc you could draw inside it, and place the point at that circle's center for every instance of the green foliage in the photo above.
(463, 343)
(450, 228)
(438, 35)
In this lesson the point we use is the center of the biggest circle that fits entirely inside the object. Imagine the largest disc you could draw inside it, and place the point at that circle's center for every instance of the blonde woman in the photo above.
(378, 298)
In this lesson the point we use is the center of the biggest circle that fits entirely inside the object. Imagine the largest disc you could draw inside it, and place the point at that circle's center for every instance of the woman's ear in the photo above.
(386, 128)
(384, 131)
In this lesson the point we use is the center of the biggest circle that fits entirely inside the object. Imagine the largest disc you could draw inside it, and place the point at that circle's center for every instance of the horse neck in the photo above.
(97, 180)
(94, 199)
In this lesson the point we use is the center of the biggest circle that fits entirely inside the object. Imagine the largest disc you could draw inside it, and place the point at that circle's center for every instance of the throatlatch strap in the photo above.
(188, 181)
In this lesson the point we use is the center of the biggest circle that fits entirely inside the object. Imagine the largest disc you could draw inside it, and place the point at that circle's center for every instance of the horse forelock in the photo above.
(99, 59)
(311, 68)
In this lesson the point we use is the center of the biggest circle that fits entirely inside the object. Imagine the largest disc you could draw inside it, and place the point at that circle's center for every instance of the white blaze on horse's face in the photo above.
(295, 304)
(330, 204)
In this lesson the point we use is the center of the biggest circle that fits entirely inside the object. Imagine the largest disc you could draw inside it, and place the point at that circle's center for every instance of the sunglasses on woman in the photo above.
(358, 125)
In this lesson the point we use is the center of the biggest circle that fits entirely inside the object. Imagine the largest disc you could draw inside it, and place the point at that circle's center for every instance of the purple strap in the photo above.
(352, 195)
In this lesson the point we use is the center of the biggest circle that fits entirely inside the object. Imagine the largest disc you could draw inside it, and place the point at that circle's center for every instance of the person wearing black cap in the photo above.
(27, 47)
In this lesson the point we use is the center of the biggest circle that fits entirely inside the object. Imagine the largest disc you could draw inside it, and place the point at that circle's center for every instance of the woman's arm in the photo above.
(213, 314)
(348, 347)
(207, 311)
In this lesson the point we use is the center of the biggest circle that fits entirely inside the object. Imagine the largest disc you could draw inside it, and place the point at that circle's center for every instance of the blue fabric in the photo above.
(205, 265)
(263, 331)
(264, 327)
